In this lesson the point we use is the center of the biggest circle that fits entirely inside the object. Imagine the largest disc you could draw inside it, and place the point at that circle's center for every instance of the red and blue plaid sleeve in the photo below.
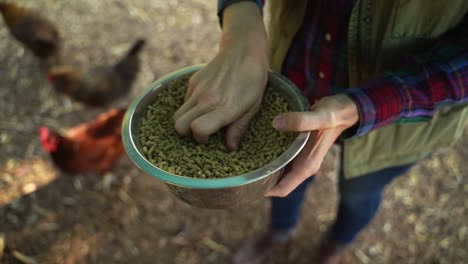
(436, 79)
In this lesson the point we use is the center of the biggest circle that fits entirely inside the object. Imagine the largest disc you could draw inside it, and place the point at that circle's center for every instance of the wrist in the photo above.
(240, 14)
(347, 113)
(243, 25)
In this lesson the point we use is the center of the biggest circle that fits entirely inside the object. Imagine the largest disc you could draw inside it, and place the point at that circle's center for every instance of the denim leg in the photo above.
(360, 200)
(285, 211)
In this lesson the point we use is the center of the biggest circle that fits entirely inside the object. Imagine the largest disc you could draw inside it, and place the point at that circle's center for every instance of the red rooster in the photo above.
(89, 147)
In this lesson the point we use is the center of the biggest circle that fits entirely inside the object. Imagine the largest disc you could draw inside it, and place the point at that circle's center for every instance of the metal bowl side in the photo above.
(212, 193)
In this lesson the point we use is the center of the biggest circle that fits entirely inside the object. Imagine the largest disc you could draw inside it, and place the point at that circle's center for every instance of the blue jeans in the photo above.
(360, 199)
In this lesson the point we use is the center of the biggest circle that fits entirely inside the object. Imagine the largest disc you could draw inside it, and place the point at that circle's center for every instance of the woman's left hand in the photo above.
(328, 118)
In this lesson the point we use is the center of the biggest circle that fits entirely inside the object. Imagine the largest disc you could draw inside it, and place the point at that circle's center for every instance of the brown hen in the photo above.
(101, 85)
(32, 29)
(89, 147)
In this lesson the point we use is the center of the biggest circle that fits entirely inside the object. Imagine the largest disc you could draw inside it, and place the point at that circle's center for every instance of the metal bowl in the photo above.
(222, 193)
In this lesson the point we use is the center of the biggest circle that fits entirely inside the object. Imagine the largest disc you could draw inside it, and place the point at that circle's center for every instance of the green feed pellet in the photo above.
(167, 150)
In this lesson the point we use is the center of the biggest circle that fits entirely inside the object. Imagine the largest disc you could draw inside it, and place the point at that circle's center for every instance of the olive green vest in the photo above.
(379, 31)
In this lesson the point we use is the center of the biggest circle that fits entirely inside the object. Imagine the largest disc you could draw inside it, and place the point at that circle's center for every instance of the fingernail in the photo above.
(235, 142)
(233, 146)
(279, 123)
(232, 143)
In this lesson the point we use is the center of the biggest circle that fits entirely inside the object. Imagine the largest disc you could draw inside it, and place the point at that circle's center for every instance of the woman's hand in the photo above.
(328, 118)
(228, 91)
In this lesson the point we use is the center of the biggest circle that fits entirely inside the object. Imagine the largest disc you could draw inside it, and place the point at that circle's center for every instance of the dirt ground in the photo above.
(48, 217)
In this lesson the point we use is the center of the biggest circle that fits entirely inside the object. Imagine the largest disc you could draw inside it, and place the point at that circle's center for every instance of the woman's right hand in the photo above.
(228, 91)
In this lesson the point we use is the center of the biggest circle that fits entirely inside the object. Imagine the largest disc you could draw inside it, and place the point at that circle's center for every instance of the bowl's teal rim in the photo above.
(197, 183)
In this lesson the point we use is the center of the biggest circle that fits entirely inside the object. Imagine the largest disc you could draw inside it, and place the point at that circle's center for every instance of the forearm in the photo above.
(227, 92)
(243, 25)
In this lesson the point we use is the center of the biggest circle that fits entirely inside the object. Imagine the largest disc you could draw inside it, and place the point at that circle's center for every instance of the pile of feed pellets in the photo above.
(166, 149)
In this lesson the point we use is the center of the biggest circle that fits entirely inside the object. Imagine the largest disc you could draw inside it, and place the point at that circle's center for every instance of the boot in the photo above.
(257, 250)
(330, 251)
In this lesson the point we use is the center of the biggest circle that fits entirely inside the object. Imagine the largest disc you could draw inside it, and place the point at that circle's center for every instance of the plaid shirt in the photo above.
(317, 64)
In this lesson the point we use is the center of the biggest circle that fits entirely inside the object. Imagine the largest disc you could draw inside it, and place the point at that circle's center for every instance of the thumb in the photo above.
(302, 121)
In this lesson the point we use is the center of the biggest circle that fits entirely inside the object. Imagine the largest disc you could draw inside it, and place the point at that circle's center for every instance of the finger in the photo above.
(307, 153)
(289, 182)
(188, 93)
(185, 108)
(237, 129)
(191, 86)
(310, 159)
(299, 170)
(304, 121)
(183, 124)
(306, 164)
(209, 123)
(327, 139)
